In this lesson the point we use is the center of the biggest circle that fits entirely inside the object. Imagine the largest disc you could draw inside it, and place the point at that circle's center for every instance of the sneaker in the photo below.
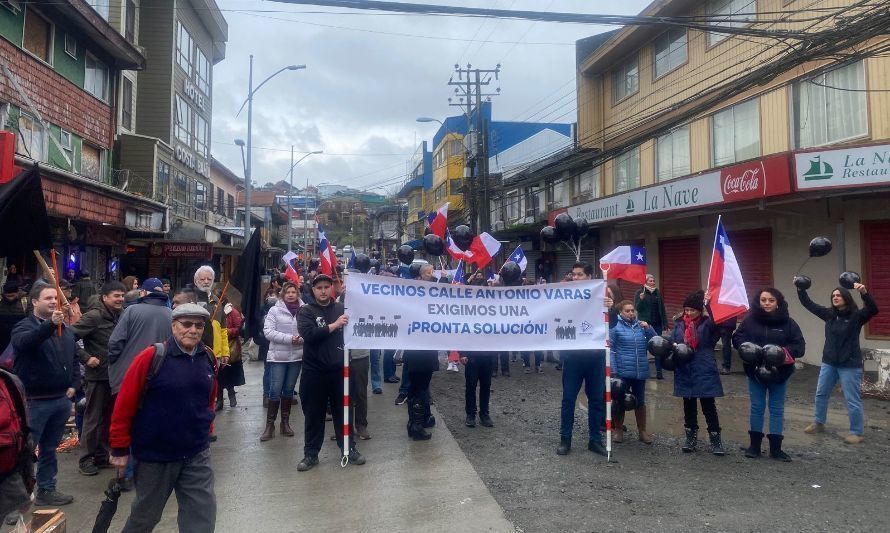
(401, 398)
(307, 463)
(88, 468)
(814, 428)
(540, 370)
(853, 439)
(356, 458)
(393, 379)
(377, 391)
(471, 421)
(52, 498)
(527, 370)
(485, 421)
(724, 371)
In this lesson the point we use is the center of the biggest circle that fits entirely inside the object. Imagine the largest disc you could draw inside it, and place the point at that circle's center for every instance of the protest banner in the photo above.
(387, 312)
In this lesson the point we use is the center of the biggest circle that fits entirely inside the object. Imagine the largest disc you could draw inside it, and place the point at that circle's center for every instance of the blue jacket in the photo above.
(698, 378)
(628, 349)
(45, 362)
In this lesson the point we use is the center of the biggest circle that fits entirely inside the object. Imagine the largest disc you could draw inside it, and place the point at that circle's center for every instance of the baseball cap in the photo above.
(322, 277)
(153, 285)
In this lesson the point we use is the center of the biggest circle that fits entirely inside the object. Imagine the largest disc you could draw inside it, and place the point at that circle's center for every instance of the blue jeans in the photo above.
(375, 369)
(758, 392)
(405, 385)
(266, 376)
(588, 367)
(389, 366)
(283, 379)
(851, 381)
(48, 419)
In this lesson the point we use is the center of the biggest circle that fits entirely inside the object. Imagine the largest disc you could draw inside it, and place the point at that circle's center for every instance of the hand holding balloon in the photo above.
(860, 287)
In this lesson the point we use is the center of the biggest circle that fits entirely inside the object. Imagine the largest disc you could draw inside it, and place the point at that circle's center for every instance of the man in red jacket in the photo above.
(164, 415)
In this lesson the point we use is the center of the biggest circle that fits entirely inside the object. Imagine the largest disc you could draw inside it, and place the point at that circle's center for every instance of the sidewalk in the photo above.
(405, 486)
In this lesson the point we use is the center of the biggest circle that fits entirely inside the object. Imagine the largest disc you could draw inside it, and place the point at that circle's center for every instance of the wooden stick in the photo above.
(59, 295)
(48, 273)
(219, 302)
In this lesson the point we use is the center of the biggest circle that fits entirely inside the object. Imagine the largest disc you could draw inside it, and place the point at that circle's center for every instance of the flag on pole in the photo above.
(484, 248)
(489, 274)
(327, 259)
(725, 283)
(453, 249)
(351, 262)
(290, 273)
(438, 221)
(627, 263)
(458, 274)
(518, 257)
(246, 278)
(23, 215)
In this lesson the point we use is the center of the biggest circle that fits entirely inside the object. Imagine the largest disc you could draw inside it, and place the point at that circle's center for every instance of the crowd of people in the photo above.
(154, 364)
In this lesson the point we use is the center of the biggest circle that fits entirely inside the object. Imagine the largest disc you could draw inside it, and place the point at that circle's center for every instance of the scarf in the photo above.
(293, 307)
(690, 336)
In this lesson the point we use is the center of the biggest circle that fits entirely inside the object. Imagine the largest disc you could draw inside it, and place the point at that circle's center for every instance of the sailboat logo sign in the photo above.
(849, 167)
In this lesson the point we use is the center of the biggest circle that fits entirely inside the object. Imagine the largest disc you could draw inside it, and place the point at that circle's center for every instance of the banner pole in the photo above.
(608, 397)
(345, 460)
(716, 231)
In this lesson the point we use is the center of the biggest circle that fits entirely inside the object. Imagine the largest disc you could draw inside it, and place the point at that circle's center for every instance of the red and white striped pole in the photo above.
(345, 460)
(608, 397)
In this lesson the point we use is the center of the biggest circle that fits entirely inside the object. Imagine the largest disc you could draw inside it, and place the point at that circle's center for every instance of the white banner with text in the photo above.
(393, 313)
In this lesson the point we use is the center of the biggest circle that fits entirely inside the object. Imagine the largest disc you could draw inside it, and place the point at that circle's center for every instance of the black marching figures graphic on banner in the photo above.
(380, 328)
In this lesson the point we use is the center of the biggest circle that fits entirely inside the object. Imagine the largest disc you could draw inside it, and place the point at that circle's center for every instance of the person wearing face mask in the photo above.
(650, 309)
(841, 355)
(768, 322)
(629, 361)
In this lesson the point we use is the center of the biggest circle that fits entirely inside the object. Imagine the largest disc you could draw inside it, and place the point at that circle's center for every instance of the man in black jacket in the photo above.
(46, 364)
(321, 326)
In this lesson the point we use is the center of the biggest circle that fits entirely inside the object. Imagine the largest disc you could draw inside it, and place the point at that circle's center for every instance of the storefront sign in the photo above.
(186, 157)
(736, 183)
(194, 94)
(849, 167)
(182, 250)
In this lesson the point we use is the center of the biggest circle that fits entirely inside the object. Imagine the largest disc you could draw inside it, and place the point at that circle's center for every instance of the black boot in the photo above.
(565, 446)
(233, 402)
(691, 440)
(716, 443)
(753, 451)
(219, 399)
(775, 448)
(416, 419)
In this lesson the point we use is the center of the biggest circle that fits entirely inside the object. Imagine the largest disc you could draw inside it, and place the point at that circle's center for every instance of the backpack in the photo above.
(157, 360)
(16, 447)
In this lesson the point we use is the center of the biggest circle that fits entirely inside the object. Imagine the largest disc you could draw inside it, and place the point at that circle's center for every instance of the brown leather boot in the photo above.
(286, 404)
(271, 415)
(618, 427)
(645, 437)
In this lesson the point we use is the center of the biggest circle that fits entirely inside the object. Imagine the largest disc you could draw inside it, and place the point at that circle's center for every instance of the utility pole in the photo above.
(469, 90)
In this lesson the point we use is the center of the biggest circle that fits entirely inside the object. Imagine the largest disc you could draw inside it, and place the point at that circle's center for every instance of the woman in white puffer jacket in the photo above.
(285, 359)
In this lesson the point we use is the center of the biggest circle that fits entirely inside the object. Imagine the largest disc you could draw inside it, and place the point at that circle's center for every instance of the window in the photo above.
(96, 80)
(455, 187)
(91, 162)
(210, 197)
(38, 35)
(70, 45)
(735, 14)
(456, 147)
(184, 48)
(735, 133)
(672, 154)
(626, 170)
(200, 195)
(220, 201)
(230, 206)
(559, 194)
(533, 201)
(585, 186)
(126, 103)
(31, 141)
(511, 207)
(202, 136)
(102, 7)
(180, 188)
(440, 157)
(830, 107)
(202, 72)
(65, 143)
(669, 51)
(183, 128)
(440, 192)
(163, 180)
(130, 23)
(625, 80)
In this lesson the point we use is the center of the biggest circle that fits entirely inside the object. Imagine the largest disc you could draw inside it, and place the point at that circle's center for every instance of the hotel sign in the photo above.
(189, 159)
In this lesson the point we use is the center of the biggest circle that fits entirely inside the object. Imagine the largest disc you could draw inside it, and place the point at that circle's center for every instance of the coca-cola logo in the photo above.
(747, 183)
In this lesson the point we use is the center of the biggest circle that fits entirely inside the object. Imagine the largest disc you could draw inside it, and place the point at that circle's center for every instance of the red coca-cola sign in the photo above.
(755, 179)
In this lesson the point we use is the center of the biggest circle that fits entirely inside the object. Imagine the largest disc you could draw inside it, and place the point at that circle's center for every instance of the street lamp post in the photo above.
(290, 208)
(247, 168)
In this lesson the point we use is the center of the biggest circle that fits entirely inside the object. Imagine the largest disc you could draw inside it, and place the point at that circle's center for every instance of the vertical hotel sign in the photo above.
(846, 167)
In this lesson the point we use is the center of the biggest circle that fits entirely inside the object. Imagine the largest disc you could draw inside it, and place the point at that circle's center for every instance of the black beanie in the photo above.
(695, 300)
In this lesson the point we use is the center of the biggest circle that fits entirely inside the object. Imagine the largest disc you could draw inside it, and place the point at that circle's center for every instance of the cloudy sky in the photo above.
(369, 75)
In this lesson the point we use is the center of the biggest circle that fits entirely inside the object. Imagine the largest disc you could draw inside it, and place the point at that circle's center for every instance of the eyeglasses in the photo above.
(188, 324)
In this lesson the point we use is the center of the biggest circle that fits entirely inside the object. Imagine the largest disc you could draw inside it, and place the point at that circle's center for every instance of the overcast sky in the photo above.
(369, 75)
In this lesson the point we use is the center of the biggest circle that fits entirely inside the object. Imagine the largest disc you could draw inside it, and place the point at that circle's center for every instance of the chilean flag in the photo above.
(625, 262)
(518, 257)
(289, 272)
(458, 274)
(438, 221)
(453, 249)
(725, 283)
(327, 259)
(484, 247)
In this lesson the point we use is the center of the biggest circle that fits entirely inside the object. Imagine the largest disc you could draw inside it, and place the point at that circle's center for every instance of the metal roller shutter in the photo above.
(754, 253)
(876, 259)
(680, 271)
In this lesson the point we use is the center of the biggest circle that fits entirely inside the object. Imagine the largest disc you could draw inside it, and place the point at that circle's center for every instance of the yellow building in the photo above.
(448, 174)
(786, 141)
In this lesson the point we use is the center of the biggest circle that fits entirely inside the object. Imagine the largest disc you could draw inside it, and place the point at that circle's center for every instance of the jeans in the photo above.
(48, 419)
(526, 359)
(588, 367)
(758, 392)
(266, 376)
(283, 379)
(708, 408)
(389, 365)
(504, 359)
(405, 385)
(851, 381)
(375, 369)
(726, 340)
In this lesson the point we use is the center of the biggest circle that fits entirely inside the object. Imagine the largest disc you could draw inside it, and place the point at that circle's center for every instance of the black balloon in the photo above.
(619, 387)
(820, 246)
(751, 353)
(548, 235)
(362, 263)
(629, 402)
(434, 245)
(669, 362)
(510, 273)
(375, 254)
(847, 279)
(375, 265)
(414, 270)
(803, 282)
(766, 374)
(394, 270)
(462, 236)
(565, 226)
(683, 353)
(405, 254)
(660, 346)
(582, 227)
(773, 355)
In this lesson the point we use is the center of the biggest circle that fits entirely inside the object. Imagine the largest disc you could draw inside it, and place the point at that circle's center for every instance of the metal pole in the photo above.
(247, 184)
(306, 227)
(290, 207)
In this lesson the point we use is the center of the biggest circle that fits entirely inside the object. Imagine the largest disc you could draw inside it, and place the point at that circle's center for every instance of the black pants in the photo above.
(478, 370)
(96, 422)
(504, 359)
(708, 408)
(526, 359)
(318, 389)
(419, 387)
(726, 339)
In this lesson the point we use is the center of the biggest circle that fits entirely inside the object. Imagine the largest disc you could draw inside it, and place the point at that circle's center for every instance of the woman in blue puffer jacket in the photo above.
(627, 341)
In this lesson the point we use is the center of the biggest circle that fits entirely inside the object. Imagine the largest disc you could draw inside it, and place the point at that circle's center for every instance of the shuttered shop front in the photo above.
(680, 271)
(876, 259)
(753, 251)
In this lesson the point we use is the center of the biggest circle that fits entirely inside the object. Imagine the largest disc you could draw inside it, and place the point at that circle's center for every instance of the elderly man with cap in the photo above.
(321, 325)
(164, 414)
